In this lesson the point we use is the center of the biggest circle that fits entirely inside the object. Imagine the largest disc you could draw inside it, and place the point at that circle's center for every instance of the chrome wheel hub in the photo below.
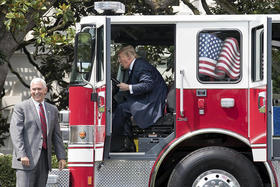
(216, 178)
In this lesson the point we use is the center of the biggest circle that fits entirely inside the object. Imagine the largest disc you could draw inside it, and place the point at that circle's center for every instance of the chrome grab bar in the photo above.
(182, 93)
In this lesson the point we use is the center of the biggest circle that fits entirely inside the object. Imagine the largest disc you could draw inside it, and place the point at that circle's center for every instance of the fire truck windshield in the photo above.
(84, 55)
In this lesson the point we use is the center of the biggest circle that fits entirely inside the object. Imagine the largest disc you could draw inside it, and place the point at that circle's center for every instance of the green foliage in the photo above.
(7, 174)
(161, 55)
(54, 50)
(276, 70)
(2, 58)
(55, 162)
(142, 8)
(54, 159)
(114, 60)
(53, 34)
(4, 129)
(53, 37)
(17, 10)
(249, 7)
(49, 32)
(55, 68)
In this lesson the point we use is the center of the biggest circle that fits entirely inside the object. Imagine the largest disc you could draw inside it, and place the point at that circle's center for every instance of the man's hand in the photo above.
(62, 164)
(25, 161)
(123, 86)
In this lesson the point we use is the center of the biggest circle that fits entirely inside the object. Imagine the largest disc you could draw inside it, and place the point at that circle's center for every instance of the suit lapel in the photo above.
(48, 112)
(129, 77)
(34, 111)
(131, 72)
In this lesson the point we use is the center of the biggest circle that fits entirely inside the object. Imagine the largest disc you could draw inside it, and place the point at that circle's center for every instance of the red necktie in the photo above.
(43, 125)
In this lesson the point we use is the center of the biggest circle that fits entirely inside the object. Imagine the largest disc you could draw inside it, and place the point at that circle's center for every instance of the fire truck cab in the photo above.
(217, 128)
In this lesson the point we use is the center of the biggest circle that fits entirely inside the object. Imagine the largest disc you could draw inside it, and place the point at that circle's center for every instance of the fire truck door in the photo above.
(259, 96)
(273, 127)
(101, 78)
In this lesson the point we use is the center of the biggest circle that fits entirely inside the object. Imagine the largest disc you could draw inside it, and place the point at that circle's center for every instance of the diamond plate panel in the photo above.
(123, 173)
(63, 178)
(276, 166)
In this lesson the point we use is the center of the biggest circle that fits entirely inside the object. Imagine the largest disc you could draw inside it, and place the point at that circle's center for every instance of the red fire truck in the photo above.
(217, 128)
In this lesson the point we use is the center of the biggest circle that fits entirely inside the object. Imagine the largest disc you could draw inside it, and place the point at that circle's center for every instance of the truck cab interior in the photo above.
(158, 48)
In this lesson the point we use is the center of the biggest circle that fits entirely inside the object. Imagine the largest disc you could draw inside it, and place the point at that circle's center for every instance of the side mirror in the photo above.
(84, 52)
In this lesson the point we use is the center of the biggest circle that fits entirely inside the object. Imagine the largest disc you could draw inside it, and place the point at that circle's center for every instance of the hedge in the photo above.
(8, 175)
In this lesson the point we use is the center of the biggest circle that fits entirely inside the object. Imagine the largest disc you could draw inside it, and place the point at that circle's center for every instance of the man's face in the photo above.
(124, 60)
(38, 91)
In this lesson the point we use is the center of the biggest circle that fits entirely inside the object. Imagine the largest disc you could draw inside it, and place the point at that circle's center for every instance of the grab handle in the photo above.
(182, 93)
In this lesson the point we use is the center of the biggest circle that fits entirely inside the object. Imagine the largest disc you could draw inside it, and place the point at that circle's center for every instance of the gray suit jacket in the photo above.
(26, 135)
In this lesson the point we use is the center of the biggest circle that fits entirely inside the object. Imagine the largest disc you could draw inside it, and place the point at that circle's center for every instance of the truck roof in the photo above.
(165, 19)
(173, 19)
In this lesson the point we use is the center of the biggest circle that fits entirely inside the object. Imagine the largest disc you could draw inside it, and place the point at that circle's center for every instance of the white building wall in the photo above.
(15, 90)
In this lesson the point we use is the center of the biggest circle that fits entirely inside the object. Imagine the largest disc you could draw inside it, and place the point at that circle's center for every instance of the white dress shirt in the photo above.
(38, 109)
(130, 69)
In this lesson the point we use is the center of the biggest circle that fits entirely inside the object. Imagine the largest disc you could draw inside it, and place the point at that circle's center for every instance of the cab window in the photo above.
(257, 53)
(219, 56)
(100, 54)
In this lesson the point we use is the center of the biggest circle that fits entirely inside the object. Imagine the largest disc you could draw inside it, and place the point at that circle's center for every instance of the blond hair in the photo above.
(129, 51)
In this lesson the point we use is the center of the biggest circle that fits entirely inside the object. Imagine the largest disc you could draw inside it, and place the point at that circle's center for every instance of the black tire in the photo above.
(215, 164)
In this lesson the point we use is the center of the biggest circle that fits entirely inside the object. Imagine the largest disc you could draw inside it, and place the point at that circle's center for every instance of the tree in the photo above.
(18, 17)
(246, 7)
(51, 23)
(4, 129)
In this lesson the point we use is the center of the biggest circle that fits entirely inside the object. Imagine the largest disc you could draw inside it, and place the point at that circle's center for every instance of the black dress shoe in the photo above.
(128, 145)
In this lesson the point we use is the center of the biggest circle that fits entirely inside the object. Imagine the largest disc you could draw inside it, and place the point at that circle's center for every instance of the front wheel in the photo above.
(215, 166)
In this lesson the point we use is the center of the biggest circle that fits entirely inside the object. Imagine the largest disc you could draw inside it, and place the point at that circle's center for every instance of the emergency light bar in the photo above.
(114, 6)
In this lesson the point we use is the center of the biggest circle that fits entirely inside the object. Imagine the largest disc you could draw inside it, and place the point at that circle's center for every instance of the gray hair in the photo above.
(39, 80)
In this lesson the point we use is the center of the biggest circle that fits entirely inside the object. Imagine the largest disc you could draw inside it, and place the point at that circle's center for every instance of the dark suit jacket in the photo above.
(149, 93)
(26, 135)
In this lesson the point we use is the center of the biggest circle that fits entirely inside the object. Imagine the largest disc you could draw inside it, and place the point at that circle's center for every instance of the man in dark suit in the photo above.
(145, 100)
(34, 129)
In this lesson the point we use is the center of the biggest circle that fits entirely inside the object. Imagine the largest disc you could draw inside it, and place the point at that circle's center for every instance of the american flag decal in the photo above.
(218, 58)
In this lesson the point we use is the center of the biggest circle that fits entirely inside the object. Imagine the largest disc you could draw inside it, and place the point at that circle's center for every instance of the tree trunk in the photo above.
(7, 48)
(3, 75)
(192, 7)
(206, 7)
(228, 6)
(10, 41)
(162, 4)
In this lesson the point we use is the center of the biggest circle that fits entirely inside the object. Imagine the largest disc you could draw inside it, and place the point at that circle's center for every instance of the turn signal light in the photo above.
(82, 134)
(89, 179)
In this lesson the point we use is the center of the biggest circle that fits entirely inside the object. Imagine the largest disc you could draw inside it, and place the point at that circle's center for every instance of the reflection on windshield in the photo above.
(84, 55)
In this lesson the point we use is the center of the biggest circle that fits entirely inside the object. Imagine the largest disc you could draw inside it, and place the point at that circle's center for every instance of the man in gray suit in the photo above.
(34, 129)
